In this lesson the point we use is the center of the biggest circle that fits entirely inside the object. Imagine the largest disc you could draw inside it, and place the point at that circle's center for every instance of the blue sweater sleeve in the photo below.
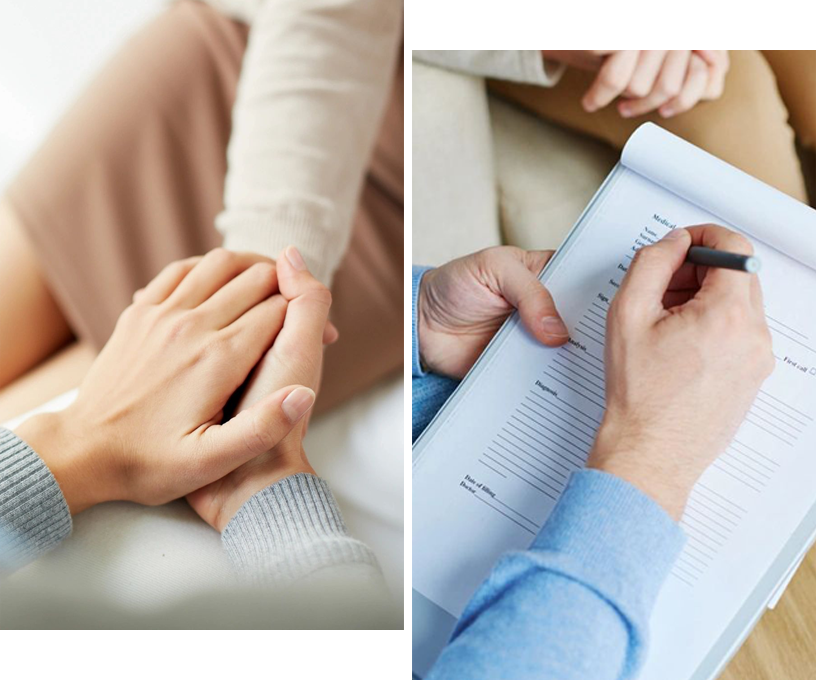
(576, 605)
(428, 391)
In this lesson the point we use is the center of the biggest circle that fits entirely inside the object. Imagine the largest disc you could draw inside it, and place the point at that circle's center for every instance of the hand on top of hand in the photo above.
(687, 349)
(147, 423)
(670, 82)
(295, 357)
(462, 304)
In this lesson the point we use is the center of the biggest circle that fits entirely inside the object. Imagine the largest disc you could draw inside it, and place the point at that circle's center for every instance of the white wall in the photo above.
(48, 51)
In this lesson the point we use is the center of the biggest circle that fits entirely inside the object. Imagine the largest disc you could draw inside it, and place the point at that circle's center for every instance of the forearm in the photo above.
(577, 603)
(526, 66)
(34, 516)
(313, 89)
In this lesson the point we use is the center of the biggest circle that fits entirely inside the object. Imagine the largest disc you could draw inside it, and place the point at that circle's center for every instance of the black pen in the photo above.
(723, 259)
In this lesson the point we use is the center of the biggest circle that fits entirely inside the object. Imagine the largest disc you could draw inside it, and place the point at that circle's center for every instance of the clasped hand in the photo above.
(148, 424)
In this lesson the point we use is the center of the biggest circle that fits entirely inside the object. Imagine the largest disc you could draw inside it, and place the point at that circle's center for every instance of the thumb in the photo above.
(259, 428)
(652, 269)
(521, 288)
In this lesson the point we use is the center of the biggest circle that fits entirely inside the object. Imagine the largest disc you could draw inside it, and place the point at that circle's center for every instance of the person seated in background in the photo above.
(576, 604)
(714, 99)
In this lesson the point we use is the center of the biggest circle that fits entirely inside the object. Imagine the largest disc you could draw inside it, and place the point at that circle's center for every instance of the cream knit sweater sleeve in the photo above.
(313, 89)
(526, 66)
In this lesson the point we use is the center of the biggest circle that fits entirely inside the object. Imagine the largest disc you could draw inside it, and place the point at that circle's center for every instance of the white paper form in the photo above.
(500, 459)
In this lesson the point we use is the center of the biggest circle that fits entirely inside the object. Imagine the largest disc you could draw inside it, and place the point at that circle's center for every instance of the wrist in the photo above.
(245, 482)
(645, 463)
(69, 456)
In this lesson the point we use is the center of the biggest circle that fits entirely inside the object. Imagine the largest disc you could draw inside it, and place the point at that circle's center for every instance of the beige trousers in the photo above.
(133, 176)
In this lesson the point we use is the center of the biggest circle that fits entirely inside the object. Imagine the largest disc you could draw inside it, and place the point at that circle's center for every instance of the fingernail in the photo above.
(674, 234)
(552, 325)
(625, 112)
(295, 258)
(298, 403)
(666, 111)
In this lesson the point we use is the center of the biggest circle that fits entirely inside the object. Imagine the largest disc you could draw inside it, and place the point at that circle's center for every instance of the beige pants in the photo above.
(768, 98)
(133, 177)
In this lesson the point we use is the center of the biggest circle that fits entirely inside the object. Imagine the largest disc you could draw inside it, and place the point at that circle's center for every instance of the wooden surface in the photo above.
(783, 644)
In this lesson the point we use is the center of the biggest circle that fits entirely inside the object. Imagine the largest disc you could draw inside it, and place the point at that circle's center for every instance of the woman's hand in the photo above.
(670, 82)
(462, 304)
(146, 425)
(295, 357)
(687, 349)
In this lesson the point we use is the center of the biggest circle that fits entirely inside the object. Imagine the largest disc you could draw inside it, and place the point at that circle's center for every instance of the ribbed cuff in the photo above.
(613, 537)
(417, 273)
(306, 226)
(291, 530)
(34, 516)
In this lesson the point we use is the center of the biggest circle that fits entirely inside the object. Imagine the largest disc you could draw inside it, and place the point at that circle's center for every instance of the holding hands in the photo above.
(147, 424)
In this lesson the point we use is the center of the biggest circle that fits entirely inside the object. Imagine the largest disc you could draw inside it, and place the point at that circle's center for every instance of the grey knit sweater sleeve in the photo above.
(290, 531)
(34, 516)
(293, 530)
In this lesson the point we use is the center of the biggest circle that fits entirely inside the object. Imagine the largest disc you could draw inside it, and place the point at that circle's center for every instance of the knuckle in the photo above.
(741, 244)
(180, 325)
(220, 256)
(319, 295)
(734, 317)
(265, 272)
(669, 88)
(613, 78)
(259, 437)
(622, 310)
(638, 90)
(648, 257)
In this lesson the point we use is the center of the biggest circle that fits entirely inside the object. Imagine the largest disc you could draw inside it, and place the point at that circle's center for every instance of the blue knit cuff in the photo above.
(417, 273)
(611, 536)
